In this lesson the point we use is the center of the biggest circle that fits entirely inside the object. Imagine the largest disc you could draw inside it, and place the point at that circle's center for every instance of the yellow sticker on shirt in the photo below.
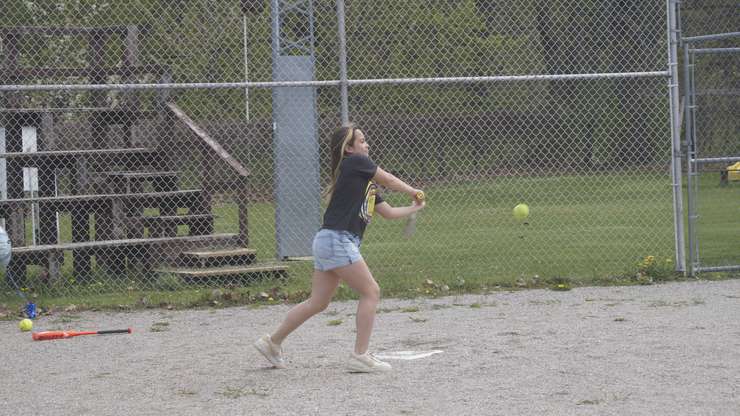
(368, 206)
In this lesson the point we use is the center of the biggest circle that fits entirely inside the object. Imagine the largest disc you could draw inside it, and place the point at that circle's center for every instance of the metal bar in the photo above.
(679, 28)
(717, 93)
(311, 30)
(509, 78)
(329, 83)
(715, 50)
(728, 159)
(715, 36)
(246, 65)
(717, 268)
(275, 19)
(343, 62)
(675, 114)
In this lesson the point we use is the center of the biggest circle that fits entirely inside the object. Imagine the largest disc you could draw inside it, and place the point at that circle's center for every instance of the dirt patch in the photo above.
(662, 349)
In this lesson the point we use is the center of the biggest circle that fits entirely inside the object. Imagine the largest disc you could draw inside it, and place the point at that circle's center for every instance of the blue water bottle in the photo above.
(31, 310)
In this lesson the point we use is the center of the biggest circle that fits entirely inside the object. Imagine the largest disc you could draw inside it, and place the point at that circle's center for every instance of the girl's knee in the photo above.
(372, 293)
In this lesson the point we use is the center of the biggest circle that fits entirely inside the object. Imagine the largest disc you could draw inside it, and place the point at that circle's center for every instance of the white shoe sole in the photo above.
(261, 346)
(356, 367)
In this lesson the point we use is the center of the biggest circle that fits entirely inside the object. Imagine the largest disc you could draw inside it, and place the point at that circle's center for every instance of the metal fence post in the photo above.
(342, 62)
(690, 156)
(675, 136)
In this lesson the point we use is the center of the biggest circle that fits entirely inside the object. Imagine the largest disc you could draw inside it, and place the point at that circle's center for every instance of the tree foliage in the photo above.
(202, 41)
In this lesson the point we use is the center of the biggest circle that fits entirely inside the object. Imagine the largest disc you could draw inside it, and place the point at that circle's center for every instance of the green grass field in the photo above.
(582, 229)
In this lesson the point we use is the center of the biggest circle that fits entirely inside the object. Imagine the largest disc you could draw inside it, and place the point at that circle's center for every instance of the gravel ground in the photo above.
(671, 349)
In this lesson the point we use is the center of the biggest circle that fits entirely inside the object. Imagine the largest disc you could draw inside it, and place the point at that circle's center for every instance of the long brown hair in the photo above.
(340, 140)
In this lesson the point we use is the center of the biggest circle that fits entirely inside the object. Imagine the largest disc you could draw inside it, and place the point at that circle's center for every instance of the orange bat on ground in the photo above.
(49, 335)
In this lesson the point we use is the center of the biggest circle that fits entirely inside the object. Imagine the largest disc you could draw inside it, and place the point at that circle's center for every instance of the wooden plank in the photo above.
(89, 109)
(15, 215)
(242, 202)
(304, 258)
(228, 252)
(191, 199)
(175, 218)
(104, 244)
(165, 126)
(212, 143)
(140, 175)
(212, 257)
(96, 41)
(131, 51)
(131, 99)
(225, 270)
(11, 52)
(148, 251)
(148, 196)
(47, 217)
(50, 154)
(48, 184)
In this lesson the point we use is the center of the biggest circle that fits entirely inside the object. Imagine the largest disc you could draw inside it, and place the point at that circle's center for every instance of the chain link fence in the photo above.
(711, 69)
(144, 147)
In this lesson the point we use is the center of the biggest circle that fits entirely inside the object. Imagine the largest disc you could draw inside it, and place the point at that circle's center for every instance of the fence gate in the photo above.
(712, 112)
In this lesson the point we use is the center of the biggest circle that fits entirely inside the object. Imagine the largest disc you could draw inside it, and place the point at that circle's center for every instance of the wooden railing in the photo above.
(242, 174)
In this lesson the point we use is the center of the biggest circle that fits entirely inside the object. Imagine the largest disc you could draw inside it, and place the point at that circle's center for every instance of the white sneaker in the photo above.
(366, 363)
(271, 351)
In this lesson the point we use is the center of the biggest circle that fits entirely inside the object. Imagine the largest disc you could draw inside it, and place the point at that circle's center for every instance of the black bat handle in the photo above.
(115, 331)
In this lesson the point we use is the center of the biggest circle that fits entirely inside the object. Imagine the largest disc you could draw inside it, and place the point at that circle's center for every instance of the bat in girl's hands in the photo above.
(410, 227)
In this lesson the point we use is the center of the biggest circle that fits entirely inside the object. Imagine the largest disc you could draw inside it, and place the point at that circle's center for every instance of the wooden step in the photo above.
(133, 175)
(111, 211)
(98, 202)
(225, 239)
(242, 274)
(148, 252)
(234, 256)
(137, 156)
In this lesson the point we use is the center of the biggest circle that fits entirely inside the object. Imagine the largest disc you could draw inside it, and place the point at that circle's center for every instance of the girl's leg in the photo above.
(359, 278)
(323, 287)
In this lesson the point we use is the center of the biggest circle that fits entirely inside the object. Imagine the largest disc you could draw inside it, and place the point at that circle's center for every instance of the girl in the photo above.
(353, 199)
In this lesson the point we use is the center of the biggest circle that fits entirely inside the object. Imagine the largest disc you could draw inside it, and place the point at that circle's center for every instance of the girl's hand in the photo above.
(418, 205)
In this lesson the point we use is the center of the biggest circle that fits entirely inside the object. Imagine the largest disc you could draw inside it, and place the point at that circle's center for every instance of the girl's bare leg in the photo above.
(359, 278)
(323, 287)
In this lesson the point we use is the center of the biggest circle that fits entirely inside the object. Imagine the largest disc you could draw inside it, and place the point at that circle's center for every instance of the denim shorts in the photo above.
(334, 248)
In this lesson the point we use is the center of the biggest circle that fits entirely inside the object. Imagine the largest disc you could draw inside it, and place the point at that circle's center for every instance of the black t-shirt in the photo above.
(353, 202)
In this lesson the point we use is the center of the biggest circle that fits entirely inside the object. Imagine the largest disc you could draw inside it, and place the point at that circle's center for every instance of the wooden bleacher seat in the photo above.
(147, 251)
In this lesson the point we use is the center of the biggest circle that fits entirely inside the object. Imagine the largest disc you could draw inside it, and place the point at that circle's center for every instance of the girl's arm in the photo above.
(391, 182)
(390, 213)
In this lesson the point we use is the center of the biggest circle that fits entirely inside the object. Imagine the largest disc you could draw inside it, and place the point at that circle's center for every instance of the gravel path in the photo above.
(648, 350)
